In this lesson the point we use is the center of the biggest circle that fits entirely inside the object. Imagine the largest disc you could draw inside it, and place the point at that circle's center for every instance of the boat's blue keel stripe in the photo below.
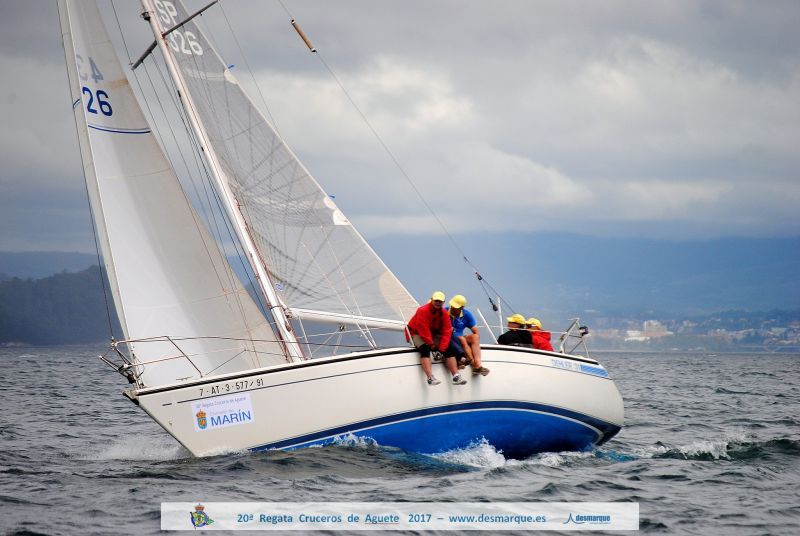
(518, 429)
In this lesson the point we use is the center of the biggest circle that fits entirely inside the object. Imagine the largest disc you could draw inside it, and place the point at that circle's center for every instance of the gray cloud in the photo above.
(673, 119)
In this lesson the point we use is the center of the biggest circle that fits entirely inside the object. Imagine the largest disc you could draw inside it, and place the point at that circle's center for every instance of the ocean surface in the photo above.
(711, 445)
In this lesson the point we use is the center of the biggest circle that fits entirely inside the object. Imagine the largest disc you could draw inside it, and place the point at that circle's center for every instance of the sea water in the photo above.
(711, 445)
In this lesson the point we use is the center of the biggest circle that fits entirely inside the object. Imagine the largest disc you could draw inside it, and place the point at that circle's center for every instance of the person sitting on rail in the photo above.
(516, 335)
(539, 337)
(430, 331)
(462, 319)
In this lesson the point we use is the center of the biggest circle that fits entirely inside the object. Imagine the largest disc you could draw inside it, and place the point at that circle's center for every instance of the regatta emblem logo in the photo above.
(199, 517)
(201, 419)
(580, 519)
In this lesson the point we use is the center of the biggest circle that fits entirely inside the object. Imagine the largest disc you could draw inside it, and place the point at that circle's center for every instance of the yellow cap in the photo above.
(517, 319)
(534, 322)
(437, 296)
(458, 301)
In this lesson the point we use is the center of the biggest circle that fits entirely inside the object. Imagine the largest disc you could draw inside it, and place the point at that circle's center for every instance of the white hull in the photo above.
(533, 401)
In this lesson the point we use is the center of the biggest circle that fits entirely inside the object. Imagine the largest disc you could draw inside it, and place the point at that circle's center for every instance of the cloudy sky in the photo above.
(675, 120)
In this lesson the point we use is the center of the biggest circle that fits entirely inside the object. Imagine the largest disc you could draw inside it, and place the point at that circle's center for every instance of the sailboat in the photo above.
(226, 366)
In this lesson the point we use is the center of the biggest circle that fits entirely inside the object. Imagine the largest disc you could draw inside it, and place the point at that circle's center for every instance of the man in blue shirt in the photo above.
(469, 344)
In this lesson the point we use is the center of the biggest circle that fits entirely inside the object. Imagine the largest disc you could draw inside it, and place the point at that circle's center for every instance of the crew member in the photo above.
(539, 337)
(462, 319)
(430, 331)
(516, 335)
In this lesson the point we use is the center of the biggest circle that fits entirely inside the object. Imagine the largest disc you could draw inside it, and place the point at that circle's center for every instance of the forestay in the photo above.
(318, 263)
(167, 275)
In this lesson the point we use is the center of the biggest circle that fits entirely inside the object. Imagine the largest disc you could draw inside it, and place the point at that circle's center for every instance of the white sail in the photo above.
(316, 259)
(168, 276)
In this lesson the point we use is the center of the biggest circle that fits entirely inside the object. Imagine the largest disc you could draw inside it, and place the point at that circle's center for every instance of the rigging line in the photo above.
(200, 163)
(188, 132)
(305, 338)
(220, 338)
(365, 329)
(226, 362)
(100, 264)
(151, 121)
(250, 128)
(160, 339)
(257, 255)
(186, 166)
(385, 147)
(249, 70)
(238, 248)
(122, 35)
(230, 277)
(243, 207)
(197, 165)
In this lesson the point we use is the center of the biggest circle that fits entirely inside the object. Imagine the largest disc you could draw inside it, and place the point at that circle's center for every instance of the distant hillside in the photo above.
(38, 264)
(69, 308)
(563, 274)
(65, 308)
(551, 276)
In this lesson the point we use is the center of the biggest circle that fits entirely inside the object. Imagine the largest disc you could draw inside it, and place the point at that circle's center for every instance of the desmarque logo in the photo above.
(580, 519)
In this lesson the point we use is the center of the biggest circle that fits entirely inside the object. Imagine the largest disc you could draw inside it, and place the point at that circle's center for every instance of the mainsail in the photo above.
(319, 264)
(169, 280)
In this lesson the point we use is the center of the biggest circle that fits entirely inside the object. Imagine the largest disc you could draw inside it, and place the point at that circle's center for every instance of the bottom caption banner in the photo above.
(283, 516)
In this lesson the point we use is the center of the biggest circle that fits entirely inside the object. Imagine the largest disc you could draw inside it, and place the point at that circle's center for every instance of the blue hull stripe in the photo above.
(519, 429)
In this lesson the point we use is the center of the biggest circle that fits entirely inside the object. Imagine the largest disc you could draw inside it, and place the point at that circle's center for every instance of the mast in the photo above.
(275, 306)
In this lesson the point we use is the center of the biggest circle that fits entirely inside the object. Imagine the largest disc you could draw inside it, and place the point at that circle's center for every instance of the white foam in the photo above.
(557, 459)
(717, 449)
(134, 448)
(650, 452)
(225, 451)
(351, 440)
(485, 456)
(480, 454)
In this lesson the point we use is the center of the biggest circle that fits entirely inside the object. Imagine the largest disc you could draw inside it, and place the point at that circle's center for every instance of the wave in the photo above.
(480, 454)
(560, 459)
(725, 391)
(136, 449)
(483, 455)
(736, 447)
(353, 441)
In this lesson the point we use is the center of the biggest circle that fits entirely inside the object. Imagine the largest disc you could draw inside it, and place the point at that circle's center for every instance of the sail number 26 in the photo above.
(98, 100)
(102, 103)
(180, 40)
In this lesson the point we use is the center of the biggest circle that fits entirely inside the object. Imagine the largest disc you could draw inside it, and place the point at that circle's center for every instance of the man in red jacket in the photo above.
(541, 338)
(430, 331)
